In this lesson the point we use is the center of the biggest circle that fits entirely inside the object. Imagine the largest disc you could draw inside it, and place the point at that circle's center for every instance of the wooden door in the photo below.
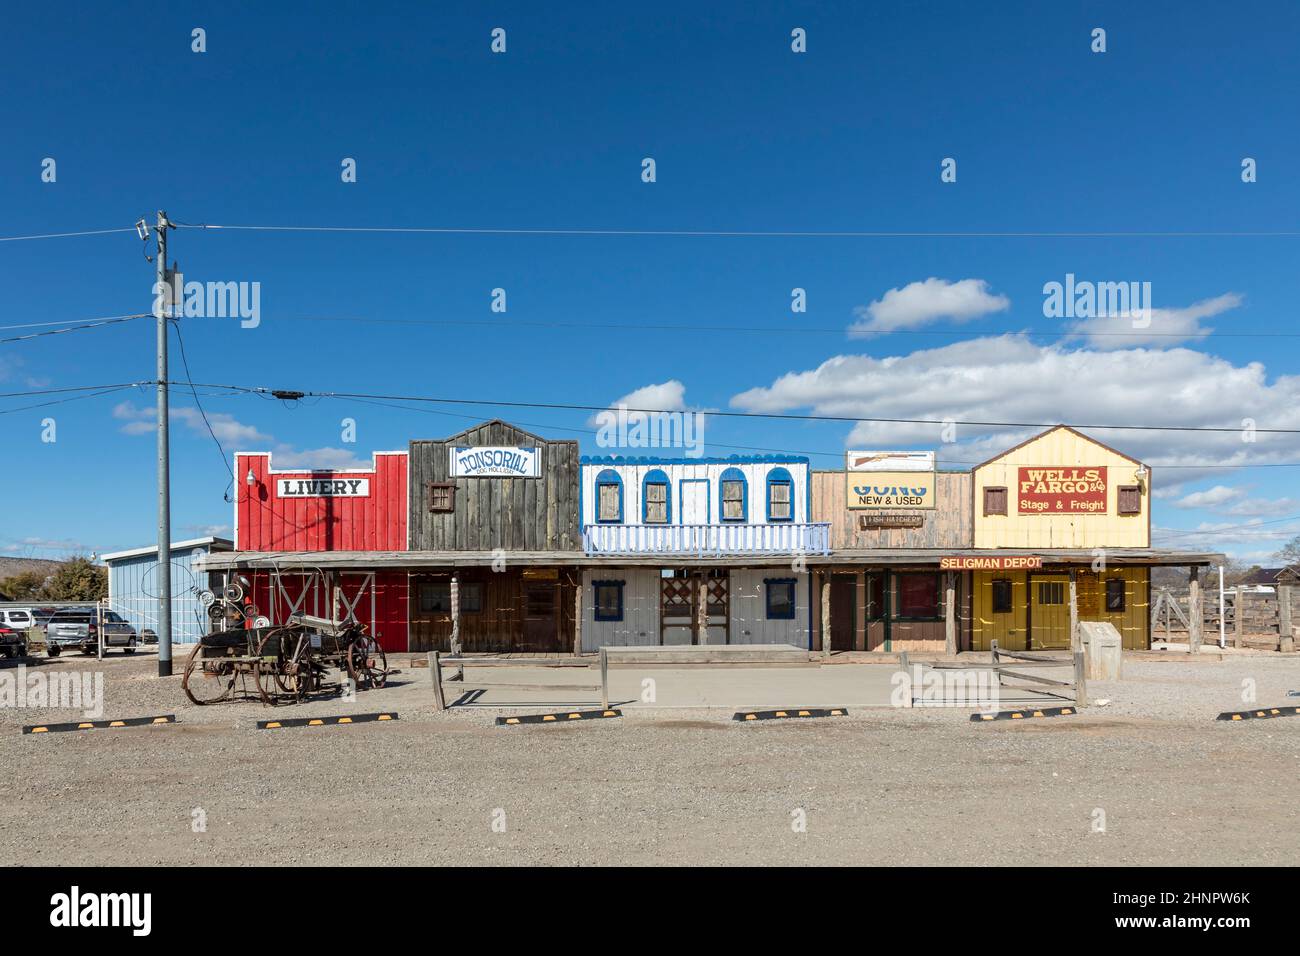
(844, 611)
(1049, 611)
(541, 618)
(677, 611)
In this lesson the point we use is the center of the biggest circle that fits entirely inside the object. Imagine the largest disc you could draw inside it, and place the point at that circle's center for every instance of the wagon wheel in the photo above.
(276, 676)
(367, 663)
(208, 680)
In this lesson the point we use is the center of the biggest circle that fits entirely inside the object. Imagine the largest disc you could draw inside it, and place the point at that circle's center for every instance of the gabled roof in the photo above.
(500, 421)
(1056, 428)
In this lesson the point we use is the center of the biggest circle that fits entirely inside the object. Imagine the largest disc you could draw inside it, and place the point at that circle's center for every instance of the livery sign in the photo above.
(319, 486)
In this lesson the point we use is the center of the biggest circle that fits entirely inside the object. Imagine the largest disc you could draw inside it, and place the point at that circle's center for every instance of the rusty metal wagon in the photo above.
(287, 663)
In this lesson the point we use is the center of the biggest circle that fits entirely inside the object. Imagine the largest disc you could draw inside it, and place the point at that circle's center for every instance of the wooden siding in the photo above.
(947, 525)
(749, 621)
(640, 624)
(381, 603)
(266, 522)
(1060, 448)
(633, 473)
(513, 514)
(1012, 629)
(500, 626)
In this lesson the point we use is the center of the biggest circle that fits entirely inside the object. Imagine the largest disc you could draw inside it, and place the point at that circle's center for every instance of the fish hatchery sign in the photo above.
(1043, 491)
(495, 462)
(318, 486)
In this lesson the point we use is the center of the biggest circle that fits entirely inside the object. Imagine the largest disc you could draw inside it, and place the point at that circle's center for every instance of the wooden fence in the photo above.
(1258, 619)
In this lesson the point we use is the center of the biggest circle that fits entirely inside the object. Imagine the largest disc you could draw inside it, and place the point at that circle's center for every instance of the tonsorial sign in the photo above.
(485, 462)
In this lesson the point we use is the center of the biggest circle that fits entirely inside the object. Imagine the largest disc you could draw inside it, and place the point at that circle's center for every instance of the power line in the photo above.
(787, 329)
(61, 401)
(748, 233)
(781, 416)
(204, 415)
(73, 388)
(98, 324)
(65, 235)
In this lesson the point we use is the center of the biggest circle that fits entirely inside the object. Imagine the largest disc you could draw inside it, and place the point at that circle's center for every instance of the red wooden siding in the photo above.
(266, 522)
(385, 617)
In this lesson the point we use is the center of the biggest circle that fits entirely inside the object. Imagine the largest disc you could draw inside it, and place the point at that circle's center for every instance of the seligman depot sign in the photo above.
(485, 462)
(1041, 491)
(1001, 562)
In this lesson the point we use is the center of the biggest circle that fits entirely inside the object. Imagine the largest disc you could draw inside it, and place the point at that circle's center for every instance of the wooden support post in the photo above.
(435, 675)
(702, 611)
(1285, 632)
(577, 616)
(826, 614)
(1238, 618)
(1080, 680)
(950, 613)
(860, 612)
(1194, 614)
(905, 665)
(1074, 609)
(604, 679)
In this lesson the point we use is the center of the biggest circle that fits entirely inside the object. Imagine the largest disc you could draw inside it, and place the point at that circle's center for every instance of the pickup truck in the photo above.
(80, 626)
(13, 642)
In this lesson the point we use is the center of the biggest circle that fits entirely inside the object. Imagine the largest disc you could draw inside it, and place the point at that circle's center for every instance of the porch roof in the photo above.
(418, 560)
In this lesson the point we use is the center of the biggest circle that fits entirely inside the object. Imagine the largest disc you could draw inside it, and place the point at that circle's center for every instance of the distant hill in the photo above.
(9, 566)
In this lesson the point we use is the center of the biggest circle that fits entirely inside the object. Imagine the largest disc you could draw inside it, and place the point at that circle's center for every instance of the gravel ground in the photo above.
(683, 787)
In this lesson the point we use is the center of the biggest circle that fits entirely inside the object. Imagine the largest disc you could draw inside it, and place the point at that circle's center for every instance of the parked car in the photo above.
(81, 626)
(18, 618)
(13, 642)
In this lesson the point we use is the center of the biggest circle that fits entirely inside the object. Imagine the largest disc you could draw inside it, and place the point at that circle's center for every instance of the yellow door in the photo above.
(1049, 611)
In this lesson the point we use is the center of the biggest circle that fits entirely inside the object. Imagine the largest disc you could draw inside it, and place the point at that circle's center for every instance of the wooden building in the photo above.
(697, 550)
(506, 500)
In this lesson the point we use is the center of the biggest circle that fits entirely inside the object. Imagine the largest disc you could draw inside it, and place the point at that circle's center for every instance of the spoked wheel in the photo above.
(277, 677)
(367, 663)
(208, 680)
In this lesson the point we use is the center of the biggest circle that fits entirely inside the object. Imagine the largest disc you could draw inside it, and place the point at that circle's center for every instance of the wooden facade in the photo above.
(1037, 617)
(487, 513)
(946, 526)
(516, 610)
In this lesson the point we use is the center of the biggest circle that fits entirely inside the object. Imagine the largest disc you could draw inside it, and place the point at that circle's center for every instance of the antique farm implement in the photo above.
(307, 657)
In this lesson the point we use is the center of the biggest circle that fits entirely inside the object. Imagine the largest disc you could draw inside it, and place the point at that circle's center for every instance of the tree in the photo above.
(25, 586)
(77, 580)
(1290, 552)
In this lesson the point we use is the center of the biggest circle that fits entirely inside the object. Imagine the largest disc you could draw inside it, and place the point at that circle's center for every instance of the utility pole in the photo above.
(165, 302)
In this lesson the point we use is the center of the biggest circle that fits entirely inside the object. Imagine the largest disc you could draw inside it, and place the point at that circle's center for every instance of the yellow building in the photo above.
(1061, 491)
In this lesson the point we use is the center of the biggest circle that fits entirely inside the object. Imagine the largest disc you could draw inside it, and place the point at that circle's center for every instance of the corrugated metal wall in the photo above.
(133, 593)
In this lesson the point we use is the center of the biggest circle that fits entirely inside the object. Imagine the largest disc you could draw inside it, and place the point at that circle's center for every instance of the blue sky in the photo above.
(747, 136)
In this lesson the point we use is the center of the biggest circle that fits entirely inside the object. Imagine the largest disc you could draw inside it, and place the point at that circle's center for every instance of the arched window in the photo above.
(733, 496)
(609, 497)
(780, 495)
(656, 500)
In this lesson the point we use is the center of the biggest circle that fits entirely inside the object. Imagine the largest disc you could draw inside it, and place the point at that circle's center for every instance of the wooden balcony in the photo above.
(707, 539)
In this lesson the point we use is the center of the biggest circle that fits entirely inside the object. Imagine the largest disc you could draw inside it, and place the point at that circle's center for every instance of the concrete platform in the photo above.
(707, 654)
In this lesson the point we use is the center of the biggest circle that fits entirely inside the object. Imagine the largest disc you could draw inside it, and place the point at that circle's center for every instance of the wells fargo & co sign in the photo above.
(1041, 491)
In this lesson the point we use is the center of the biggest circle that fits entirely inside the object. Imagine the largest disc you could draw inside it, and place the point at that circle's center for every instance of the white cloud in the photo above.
(669, 396)
(1168, 327)
(1010, 379)
(919, 303)
(1214, 497)
(140, 420)
(286, 456)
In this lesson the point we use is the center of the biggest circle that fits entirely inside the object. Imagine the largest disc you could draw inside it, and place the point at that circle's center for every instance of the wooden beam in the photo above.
(435, 675)
(702, 610)
(826, 615)
(1285, 631)
(860, 611)
(950, 613)
(1195, 618)
(1239, 619)
(577, 616)
(1074, 609)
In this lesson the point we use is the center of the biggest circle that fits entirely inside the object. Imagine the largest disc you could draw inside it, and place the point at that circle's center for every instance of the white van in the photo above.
(19, 618)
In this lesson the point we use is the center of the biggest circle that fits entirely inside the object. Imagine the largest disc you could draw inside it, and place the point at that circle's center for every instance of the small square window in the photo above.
(1114, 595)
(442, 496)
(1129, 500)
(435, 597)
(778, 501)
(1001, 596)
(995, 501)
(608, 600)
(780, 599)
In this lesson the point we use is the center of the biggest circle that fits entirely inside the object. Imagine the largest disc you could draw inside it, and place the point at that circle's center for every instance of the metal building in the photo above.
(133, 586)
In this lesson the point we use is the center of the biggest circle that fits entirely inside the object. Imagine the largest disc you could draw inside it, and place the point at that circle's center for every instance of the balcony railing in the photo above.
(707, 539)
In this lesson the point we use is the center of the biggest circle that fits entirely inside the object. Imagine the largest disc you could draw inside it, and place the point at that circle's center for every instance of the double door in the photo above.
(680, 620)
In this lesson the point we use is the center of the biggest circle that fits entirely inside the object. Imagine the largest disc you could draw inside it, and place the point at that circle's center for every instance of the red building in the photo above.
(283, 517)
